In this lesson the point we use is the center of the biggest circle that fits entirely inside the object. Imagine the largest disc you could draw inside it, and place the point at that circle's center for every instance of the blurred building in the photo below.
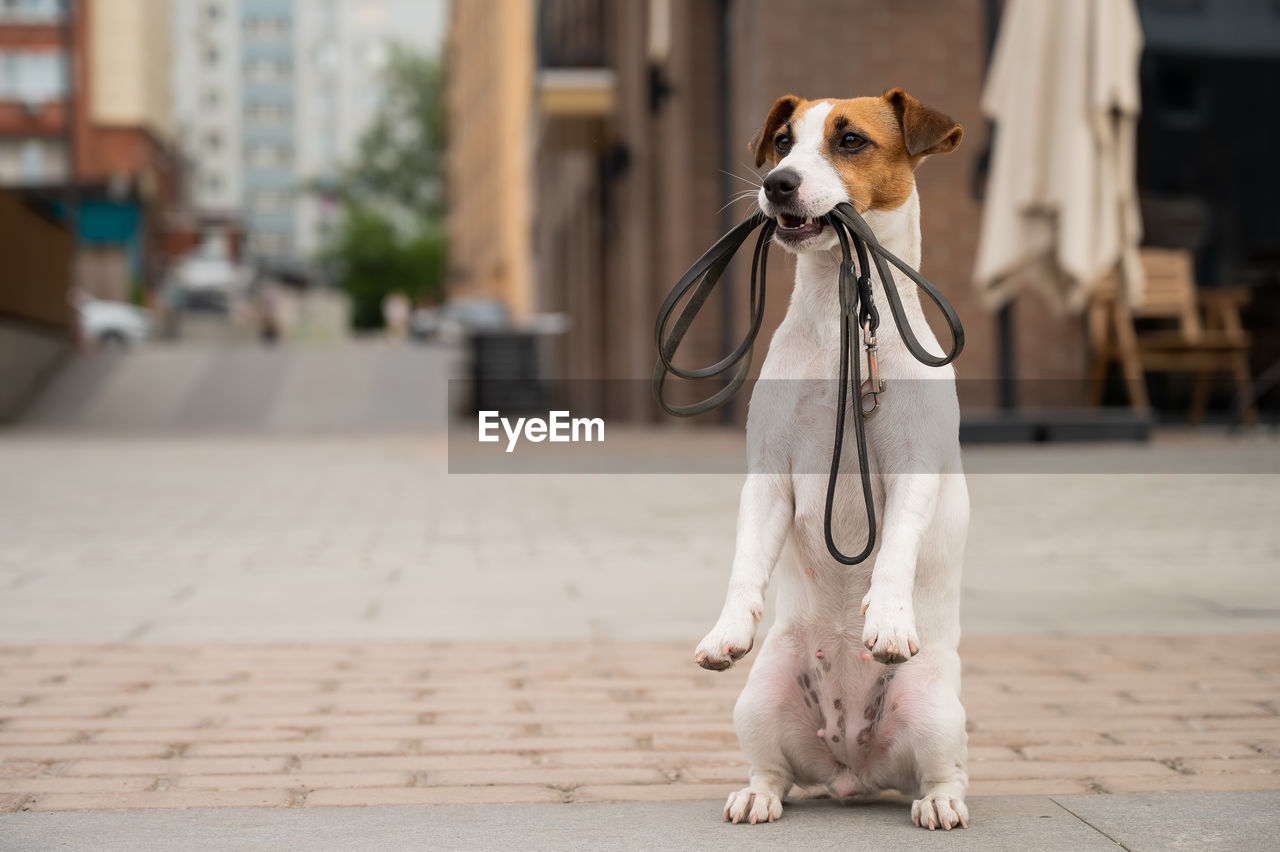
(623, 106)
(272, 97)
(589, 163)
(86, 167)
(104, 126)
(490, 173)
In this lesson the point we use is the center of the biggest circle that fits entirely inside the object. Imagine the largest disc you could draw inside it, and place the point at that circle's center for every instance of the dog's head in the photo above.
(861, 150)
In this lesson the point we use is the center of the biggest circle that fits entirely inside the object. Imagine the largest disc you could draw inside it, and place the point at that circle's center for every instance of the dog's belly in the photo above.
(853, 710)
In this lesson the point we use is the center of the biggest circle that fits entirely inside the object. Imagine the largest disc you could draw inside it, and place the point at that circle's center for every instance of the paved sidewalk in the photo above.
(270, 631)
(192, 540)
(416, 724)
(1134, 822)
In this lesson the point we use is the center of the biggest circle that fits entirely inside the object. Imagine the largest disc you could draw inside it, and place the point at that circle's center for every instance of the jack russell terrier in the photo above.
(856, 688)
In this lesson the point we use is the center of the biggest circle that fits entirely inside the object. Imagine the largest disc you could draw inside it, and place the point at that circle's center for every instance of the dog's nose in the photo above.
(780, 185)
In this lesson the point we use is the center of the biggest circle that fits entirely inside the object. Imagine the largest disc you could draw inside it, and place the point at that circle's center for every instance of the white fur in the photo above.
(909, 587)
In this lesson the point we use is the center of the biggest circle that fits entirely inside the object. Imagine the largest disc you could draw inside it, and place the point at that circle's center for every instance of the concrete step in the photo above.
(348, 387)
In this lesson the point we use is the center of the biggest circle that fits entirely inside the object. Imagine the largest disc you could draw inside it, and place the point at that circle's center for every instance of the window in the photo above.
(325, 55)
(32, 161)
(267, 154)
(213, 140)
(211, 55)
(211, 98)
(269, 243)
(269, 200)
(213, 182)
(32, 76)
(31, 11)
(268, 113)
(329, 149)
(268, 70)
(212, 12)
(267, 28)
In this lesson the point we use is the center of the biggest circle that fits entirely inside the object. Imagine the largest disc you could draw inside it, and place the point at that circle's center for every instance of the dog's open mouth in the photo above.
(796, 228)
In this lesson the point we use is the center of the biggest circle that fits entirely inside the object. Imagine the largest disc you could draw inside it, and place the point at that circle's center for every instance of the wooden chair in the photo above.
(1205, 335)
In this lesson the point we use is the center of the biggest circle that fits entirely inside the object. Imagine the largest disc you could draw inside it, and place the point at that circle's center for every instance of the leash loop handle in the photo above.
(699, 282)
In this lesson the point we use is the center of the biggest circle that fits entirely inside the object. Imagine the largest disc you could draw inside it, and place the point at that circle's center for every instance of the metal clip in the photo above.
(873, 386)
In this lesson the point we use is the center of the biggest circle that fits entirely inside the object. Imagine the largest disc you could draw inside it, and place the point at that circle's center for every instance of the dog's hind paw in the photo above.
(889, 631)
(939, 811)
(753, 806)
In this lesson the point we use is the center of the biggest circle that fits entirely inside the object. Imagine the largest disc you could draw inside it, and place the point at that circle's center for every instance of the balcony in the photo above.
(575, 79)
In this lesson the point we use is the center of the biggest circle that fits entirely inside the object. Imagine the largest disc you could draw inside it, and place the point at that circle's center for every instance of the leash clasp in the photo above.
(874, 385)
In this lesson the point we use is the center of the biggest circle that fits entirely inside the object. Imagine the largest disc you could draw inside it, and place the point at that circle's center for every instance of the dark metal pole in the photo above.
(724, 81)
(1005, 357)
(71, 187)
(1004, 316)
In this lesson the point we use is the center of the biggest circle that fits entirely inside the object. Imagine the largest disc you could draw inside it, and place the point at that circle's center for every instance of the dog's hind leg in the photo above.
(761, 800)
(931, 721)
(777, 720)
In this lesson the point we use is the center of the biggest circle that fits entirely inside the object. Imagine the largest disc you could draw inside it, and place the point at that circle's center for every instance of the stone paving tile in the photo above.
(194, 539)
(127, 726)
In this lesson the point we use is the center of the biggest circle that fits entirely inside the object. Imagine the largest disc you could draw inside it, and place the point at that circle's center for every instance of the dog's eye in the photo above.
(852, 141)
(782, 143)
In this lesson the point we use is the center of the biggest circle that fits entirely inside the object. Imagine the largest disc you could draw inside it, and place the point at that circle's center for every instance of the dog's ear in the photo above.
(924, 131)
(762, 143)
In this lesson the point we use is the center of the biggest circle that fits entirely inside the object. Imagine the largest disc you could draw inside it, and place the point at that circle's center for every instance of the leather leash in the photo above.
(857, 312)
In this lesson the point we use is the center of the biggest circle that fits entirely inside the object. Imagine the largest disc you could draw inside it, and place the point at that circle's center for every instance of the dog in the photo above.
(856, 688)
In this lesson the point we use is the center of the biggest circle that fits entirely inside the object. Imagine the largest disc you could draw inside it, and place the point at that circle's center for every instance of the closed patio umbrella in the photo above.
(1061, 207)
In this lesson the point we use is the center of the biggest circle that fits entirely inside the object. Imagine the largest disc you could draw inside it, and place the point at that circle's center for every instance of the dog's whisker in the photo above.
(745, 194)
(739, 177)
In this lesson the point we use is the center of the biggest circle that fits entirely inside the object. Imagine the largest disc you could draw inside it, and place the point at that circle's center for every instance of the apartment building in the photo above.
(35, 46)
(86, 169)
(84, 102)
(272, 97)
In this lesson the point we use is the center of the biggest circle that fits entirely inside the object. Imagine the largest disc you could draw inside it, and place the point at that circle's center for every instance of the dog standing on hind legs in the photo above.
(856, 688)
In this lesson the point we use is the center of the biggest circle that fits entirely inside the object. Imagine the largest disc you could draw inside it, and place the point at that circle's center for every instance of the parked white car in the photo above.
(119, 324)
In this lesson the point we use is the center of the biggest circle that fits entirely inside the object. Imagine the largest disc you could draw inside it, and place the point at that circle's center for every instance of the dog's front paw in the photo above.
(753, 806)
(728, 642)
(889, 631)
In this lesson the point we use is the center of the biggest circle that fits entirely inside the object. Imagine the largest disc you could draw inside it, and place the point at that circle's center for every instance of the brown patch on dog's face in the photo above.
(875, 145)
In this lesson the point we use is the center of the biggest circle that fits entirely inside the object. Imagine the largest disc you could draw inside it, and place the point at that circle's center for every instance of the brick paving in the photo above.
(275, 726)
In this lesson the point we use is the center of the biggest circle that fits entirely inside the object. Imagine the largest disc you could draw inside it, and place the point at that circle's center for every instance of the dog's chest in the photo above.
(791, 430)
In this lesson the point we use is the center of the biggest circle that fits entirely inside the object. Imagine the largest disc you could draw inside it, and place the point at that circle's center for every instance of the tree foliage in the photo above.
(376, 258)
(401, 156)
(392, 234)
